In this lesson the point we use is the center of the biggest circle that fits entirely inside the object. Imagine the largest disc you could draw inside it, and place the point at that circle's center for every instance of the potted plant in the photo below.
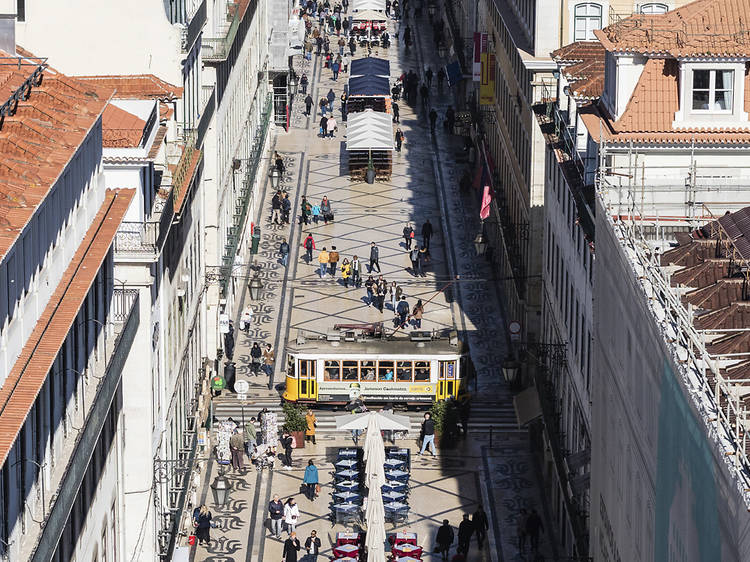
(445, 415)
(370, 174)
(295, 423)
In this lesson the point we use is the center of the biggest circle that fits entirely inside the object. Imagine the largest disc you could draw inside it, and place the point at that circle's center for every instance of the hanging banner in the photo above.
(480, 46)
(487, 82)
(484, 212)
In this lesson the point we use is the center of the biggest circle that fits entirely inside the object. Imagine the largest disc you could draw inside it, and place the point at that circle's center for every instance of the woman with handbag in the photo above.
(291, 515)
(202, 524)
(311, 481)
(325, 210)
(312, 422)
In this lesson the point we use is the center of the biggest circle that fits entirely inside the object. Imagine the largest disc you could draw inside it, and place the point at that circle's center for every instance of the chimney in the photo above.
(8, 26)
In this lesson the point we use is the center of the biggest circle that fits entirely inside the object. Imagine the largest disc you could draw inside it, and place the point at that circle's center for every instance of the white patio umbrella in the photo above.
(374, 454)
(375, 517)
(386, 421)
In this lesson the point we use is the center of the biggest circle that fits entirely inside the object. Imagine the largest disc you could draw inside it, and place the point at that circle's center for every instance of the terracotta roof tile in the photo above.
(135, 86)
(40, 138)
(701, 28)
(121, 128)
(583, 67)
(25, 380)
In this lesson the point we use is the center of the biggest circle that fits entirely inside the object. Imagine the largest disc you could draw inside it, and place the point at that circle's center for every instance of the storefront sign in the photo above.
(224, 323)
(218, 383)
(480, 46)
(487, 81)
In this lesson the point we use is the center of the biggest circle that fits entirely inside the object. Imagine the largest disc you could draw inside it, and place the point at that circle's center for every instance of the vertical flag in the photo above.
(480, 46)
(484, 212)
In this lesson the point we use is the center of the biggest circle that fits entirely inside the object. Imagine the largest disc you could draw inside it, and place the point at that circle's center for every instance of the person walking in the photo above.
(246, 319)
(345, 27)
(465, 530)
(408, 234)
(323, 104)
(286, 207)
(426, 233)
(250, 433)
(370, 287)
(308, 104)
(291, 515)
(269, 356)
(441, 78)
(276, 512)
(309, 245)
(481, 525)
(237, 448)
(286, 444)
(331, 127)
(323, 261)
(428, 433)
(335, 67)
(323, 131)
(341, 44)
(374, 257)
(399, 138)
(416, 314)
(346, 272)
(303, 82)
(450, 120)
(424, 92)
(255, 354)
(276, 208)
(310, 480)
(428, 77)
(331, 96)
(202, 524)
(534, 527)
(356, 271)
(333, 261)
(380, 290)
(312, 544)
(284, 251)
(291, 548)
(318, 44)
(521, 530)
(345, 60)
(395, 292)
(395, 109)
(305, 211)
(352, 46)
(402, 309)
(325, 209)
(312, 423)
(444, 539)
(433, 119)
(414, 257)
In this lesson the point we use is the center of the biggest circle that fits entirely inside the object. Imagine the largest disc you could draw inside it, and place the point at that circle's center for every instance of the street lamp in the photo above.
(255, 287)
(275, 176)
(293, 82)
(480, 244)
(221, 487)
(442, 50)
(510, 370)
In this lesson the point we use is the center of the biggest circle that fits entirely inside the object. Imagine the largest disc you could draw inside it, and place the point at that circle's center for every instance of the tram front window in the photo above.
(350, 371)
(332, 371)
(421, 371)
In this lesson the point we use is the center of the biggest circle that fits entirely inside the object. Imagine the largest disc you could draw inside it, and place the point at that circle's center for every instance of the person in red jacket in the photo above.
(309, 245)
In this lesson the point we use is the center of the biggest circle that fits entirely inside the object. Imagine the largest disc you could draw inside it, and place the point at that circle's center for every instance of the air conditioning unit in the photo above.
(350, 335)
(333, 336)
(420, 335)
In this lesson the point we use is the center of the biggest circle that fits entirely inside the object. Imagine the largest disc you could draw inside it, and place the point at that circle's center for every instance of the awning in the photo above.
(29, 373)
(369, 15)
(374, 86)
(527, 406)
(370, 66)
(369, 130)
(361, 5)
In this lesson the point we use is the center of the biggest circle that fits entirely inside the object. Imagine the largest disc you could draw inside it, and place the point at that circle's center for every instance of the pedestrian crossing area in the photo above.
(484, 415)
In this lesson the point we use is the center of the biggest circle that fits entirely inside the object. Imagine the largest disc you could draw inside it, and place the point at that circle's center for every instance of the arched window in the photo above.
(654, 8)
(588, 17)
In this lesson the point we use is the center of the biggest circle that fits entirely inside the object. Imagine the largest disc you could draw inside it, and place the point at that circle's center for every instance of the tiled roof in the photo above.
(26, 378)
(39, 139)
(583, 67)
(699, 29)
(651, 110)
(121, 128)
(136, 86)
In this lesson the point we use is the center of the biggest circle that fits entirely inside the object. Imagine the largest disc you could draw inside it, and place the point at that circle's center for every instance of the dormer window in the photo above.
(588, 18)
(712, 90)
(654, 8)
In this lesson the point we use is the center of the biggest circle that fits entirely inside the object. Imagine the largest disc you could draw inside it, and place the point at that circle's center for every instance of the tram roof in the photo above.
(398, 345)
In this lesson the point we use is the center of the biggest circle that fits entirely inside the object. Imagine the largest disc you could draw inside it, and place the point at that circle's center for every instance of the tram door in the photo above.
(308, 387)
(446, 379)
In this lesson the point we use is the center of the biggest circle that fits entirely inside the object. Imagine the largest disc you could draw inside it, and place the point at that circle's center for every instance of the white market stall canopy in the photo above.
(369, 15)
(361, 5)
(369, 130)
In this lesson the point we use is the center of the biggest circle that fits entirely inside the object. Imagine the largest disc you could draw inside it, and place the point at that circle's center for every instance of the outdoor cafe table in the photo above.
(396, 506)
(347, 463)
(406, 549)
(405, 537)
(346, 474)
(393, 486)
(347, 485)
(394, 463)
(346, 550)
(398, 475)
(394, 496)
(404, 559)
(348, 496)
(347, 538)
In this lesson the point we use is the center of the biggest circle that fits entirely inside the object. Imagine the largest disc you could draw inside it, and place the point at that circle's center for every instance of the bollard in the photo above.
(255, 240)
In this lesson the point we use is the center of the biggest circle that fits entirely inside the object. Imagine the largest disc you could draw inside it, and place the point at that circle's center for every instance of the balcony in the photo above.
(217, 49)
(196, 21)
(102, 380)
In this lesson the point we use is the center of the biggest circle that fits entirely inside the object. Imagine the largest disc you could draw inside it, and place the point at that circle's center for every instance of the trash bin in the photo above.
(370, 175)
(255, 240)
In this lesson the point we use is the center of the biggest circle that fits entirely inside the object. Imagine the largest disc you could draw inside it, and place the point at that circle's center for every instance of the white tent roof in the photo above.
(359, 5)
(369, 130)
(369, 15)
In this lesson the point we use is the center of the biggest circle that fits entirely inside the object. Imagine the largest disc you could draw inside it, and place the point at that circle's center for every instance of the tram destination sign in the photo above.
(395, 391)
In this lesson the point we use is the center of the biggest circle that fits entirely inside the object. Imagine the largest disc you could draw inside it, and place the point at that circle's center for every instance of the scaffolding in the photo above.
(719, 398)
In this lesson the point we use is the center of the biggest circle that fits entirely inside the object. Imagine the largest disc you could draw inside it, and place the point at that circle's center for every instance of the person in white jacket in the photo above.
(291, 515)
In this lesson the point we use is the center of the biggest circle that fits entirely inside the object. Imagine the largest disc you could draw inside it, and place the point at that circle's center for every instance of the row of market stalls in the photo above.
(369, 120)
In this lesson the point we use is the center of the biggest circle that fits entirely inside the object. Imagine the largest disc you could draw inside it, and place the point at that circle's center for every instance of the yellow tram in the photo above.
(411, 369)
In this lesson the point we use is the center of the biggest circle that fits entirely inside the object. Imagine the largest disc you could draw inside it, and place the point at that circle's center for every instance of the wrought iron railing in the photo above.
(137, 238)
(196, 22)
(242, 203)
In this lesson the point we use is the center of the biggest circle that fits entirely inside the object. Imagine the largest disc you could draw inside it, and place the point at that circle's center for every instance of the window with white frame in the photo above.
(588, 17)
(654, 8)
(712, 90)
